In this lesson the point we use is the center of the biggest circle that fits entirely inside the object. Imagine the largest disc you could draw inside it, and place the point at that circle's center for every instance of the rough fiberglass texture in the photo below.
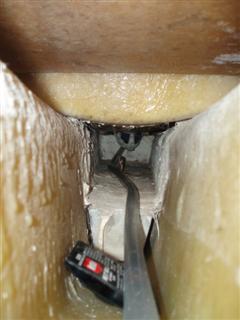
(45, 166)
(197, 178)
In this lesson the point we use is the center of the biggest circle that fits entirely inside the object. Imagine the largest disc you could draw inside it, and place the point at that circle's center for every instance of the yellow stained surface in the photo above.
(124, 98)
(197, 256)
(43, 158)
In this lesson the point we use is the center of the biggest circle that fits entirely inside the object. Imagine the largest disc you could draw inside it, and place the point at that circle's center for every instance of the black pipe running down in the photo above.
(139, 302)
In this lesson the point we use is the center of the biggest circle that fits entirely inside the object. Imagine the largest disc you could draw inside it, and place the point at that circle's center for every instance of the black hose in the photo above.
(139, 302)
